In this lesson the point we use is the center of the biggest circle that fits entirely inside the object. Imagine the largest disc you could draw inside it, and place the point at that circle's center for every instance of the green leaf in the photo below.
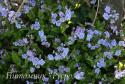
(64, 27)
(16, 59)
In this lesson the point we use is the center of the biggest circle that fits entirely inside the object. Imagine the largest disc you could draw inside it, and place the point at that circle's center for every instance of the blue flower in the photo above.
(65, 52)
(107, 9)
(121, 43)
(108, 54)
(30, 53)
(50, 57)
(57, 57)
(97, 70)
(68, 14)
(21, 42)
(26, 8)
(114, 28)
(42, 36)
(3, 11)
(36, 25)
(89, 37)
(104, 42)
(32, 2)
(58, 23)
(57, 82)
(11, 14)
(18, 25)
(101, 63)
(106, 16)
(115, 15)
(62, 19)
(45, 79)
(41, 62)
(46, 44)
(53, 15)
(61, 69)
(79, 32)
(113, 42)
(93, 47)
(107, 34)
(118, 52)
(32, 69)
(24, 56)
(79, 75)
(89, 45)
(61, 14)
(97, 32)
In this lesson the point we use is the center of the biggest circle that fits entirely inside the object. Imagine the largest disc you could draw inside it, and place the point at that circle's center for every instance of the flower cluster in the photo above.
(14, 16)
(61, 69)
(119, 74)
(112, 16)
(43, 39)
(30, 55)
(100, 64)
(61, 53)
(36, 25)
(26, 8)
(79, 33)
(62, 16)
(90, 34)
(3, 11)
(108, 54)
(21, 42)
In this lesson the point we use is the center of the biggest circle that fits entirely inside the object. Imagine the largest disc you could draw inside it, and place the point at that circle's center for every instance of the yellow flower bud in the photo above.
(124, 65)
(77, 5)
(121, 65)
(69, 22)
